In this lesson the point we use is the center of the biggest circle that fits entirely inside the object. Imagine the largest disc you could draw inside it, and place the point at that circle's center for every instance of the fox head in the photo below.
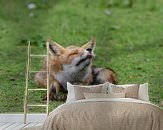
(71, 64)
(73, 57)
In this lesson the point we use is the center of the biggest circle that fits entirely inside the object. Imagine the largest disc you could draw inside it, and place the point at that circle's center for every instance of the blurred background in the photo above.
(129, 36)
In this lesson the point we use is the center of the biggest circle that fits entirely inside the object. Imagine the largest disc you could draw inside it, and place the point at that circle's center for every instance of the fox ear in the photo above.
(55, 48)
(90, 44)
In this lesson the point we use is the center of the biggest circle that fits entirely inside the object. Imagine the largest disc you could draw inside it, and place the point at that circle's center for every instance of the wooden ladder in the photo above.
(26, 105)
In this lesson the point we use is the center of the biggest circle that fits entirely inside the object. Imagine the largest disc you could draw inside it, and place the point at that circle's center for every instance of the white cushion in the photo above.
(71, 93)
(143, 92)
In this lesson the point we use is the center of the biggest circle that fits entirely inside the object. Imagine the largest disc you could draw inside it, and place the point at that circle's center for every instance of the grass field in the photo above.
(129, 40)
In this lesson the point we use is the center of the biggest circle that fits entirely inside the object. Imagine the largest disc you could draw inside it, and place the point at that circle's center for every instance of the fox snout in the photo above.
(89, 50)
(84, 59)
(89, 53)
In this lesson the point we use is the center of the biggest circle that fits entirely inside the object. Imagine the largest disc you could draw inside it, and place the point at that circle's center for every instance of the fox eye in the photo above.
(89, 50)
(74, 53)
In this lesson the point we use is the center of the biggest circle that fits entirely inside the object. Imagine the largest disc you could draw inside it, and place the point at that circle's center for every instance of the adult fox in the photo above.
(72, 64)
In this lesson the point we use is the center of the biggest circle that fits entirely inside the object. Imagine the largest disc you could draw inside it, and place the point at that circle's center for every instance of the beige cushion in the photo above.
(76, 92)
(103, 95)
(79, 91)
(143, 90)
(131, 91)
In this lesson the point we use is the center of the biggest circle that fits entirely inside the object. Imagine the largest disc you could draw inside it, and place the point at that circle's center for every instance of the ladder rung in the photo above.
(33, 55)
(38, 105)
(42, 89)
(37, 71)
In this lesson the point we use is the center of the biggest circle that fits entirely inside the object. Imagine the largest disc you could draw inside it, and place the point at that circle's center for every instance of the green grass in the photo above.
(129, 40)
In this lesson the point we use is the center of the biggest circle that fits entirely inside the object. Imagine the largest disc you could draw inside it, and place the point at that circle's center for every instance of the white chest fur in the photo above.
(72, 74)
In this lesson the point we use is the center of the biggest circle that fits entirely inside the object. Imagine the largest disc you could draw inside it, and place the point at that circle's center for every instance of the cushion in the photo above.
(143, 91)
(132, 91)
(80, 90)
(76, 92)
(103, 95)
(71, 93)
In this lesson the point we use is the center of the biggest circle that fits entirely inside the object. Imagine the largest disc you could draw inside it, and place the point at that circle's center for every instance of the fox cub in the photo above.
(72, 64)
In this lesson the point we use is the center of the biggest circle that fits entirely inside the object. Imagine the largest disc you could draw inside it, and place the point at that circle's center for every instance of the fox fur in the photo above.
(72, 64)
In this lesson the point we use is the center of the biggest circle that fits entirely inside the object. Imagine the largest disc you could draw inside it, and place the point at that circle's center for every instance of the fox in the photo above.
(72, 64)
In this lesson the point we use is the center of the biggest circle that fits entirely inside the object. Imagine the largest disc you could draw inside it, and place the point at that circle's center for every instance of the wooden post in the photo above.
(47, 108)
(26, 88)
